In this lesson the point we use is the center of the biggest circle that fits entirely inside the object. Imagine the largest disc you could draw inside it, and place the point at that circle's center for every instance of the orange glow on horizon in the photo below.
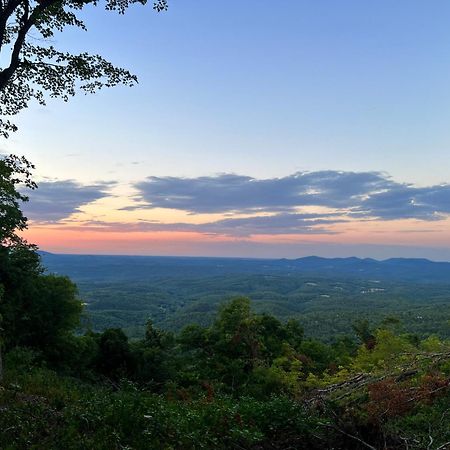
(80, 239)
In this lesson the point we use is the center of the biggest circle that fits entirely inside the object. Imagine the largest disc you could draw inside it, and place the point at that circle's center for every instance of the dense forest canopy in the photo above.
(247, 381)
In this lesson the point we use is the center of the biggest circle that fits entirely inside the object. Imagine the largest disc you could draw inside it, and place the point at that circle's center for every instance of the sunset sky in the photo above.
(257, 129)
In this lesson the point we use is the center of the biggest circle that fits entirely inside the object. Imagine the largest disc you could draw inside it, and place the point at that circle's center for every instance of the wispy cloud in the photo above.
(239, 227)
(276, 224)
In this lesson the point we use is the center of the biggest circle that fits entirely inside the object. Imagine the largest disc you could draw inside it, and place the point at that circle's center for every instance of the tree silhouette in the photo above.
(14, 172)
(35, 69)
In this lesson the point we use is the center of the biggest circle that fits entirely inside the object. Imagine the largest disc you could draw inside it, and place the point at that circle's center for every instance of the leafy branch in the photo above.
(36, 71)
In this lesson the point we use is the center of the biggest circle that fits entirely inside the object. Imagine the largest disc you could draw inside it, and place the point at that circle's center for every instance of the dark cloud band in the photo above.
(364, 195)
(293, 204)
(57, 200)
(235, 193)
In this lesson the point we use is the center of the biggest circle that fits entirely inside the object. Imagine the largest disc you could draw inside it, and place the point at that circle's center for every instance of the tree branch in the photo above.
(5, 14)
(28, 21)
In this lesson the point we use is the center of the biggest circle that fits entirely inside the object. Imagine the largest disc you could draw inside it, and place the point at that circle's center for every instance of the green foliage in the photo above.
(38, 311)
(153, 357)
(114, 355)
(243, 351)
(387, 353)
(428, 426)
(46, 411)
(248, 381)
(362, 330)
(14, 171)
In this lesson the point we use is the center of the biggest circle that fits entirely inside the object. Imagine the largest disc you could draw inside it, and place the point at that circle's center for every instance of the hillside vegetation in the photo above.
(246, 381)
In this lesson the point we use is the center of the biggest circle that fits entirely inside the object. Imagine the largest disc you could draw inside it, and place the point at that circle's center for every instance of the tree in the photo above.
(114, 357)
(39, 311)
(364, 333)
(36, 310)
(35, 69)
(14, 172)
(151, 356)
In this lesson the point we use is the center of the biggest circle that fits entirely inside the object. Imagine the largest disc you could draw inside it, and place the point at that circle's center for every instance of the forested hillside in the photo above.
(120, 268)
(174, 292)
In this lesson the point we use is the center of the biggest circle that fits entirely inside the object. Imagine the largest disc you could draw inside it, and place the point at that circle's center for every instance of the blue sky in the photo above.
(259, 89)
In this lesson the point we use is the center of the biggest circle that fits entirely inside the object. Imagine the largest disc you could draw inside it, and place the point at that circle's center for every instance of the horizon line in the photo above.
(244, 257)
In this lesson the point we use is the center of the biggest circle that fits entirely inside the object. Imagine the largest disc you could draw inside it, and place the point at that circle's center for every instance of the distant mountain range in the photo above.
(117, 268)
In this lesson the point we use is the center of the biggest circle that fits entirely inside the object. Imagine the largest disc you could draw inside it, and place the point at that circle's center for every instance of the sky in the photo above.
(256, 130)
